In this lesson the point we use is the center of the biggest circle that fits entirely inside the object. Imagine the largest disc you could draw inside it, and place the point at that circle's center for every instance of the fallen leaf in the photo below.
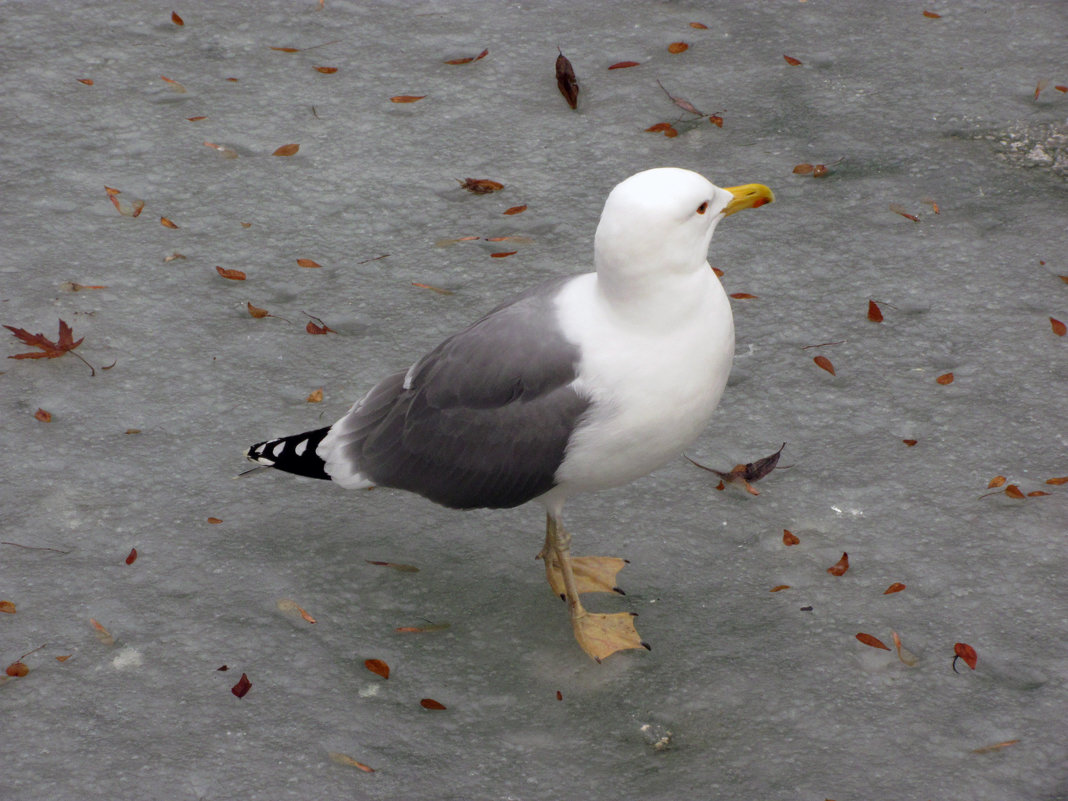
(396, 566)
(242, 687)
(196, 119)
(875, 314)
(824, 364)
(316, 396)
(326, 70)
(699, 26)
(468, 59)
(132, 431)
(515, 210)
(42, 416)
(1040, 87)
(102, 633)
(793, 62)
(7, 607)
(996, 481)
(1057, 481)
(18, 669)
(965, 652)
(430, 703)
(437, 289)
(678, 47)
(1014, 492)
(50, 350)
(932, 15)
(131, 557)
(840, 567)
(622, 65)
(64, 658)
(566, 81)
(1036, 494)
(819, 171)
(286, 49)
(322, 329)
(897, 208)
(172, 257)
(377, 666)
(803, 169)
(228, 152)
(308, 263)
(173, 84)
(286, 150)
(406, 98)
(559, 696)
(742, 296)
(1058, 327)
(874, 642)
(789, 538)
(986, 749)
(86, 81)
(719, 273)
(214, 521)
(176, 19)
(716, 120)
(257, 312)
(682, 103)
(910, 442)
(126, 209)
(480, 186)
(945, 378)
(663, 127)
(232, 275)
(502, 254)
(779, 588)
(904, 655)
(166, 223)
(897, 586)
(743, 474)
(345, 759)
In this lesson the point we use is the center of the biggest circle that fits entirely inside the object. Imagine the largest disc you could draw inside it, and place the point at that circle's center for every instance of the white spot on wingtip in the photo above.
(277, 450)
(303, 446)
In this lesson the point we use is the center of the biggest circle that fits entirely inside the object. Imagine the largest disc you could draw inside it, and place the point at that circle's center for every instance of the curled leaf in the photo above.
(176, 19)
(840, 567)
(678, 47)
(378, 667)
(824, 364)
(793, 62)
(875, 314)
(308, 263)
(345, 759)
(7, 607)
(566, 81)
(945, 379)
(1058, 327)
(132, 556)
(406, 98)
(286, 150)
(166, 223)
(515, 210)
(257, 312)
(42, 416)
(326, 70)
(430, 703)
(779, 588)
(242, 687)
(910, 443)
(480, 186)
(789, 538)
(907, 657)
(502, 254)
(965, 652)
(897, 586)
(316, 396)
(874, 642)
(803, 169)
(622, 65)
(232, 275)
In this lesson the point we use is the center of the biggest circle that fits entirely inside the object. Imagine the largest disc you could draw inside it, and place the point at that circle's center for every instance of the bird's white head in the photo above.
(659, 222)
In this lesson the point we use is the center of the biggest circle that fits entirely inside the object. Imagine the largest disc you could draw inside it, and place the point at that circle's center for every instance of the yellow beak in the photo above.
(748, 196)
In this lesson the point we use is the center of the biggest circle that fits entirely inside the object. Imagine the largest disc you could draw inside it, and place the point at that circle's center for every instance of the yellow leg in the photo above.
(600, 635)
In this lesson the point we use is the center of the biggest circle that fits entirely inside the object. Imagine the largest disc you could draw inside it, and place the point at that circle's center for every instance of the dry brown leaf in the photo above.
(308, 263)
(131, 557)
(232, 275)
(257, 312)
(678, 47)
(214, 521)
(897, 208)
(1014, 492)
(874, 642)
(699, 26)
(945, 379)
(789, 538)
(996, 481)
(176, 19)
(480, 186)
(502, 254)
(665, 128)
(17, 669)
(286, 150)
(779, 588)
(468, 59)
(7, 607)
(438, 289)
(242, 687)
(172, 257)
(824, 364)
(793, 62)
(1057, 481)
(909, 443)
(907, 657)
(986, 749)
(1058, 327)
(86, 81)
(406, 98)
(316, 396)
(326, 70)
(1036, 494)
(64, 658)
(166, 223)
(875, 314)
(43, 416)
(897, 586)
(965, 652)
(566, 81)
(716, 120)
(622, 65)
(345, 759)
(378, 667)
(840, 567)
(173, 84)
(430, 703)
(803, 169)
(102, 633)
(932, 15)
(228, 152)
(819, 171)
(515, 210)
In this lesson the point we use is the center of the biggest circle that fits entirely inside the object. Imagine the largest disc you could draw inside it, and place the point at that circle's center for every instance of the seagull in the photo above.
(582, 383)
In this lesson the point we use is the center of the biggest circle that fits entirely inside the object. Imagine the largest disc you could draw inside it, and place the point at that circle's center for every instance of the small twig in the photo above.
(376, 258)
(34, 548)
(824, 344)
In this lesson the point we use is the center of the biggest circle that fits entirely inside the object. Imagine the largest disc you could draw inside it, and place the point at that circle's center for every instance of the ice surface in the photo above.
(744, 696)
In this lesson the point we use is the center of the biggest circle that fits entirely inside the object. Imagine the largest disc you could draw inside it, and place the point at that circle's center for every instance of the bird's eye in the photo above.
(702, 208)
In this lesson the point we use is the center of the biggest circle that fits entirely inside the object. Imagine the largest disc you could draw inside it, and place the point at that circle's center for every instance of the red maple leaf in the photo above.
(49, 349)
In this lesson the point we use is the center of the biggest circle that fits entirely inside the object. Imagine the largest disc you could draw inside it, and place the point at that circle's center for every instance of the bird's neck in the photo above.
(662, 300)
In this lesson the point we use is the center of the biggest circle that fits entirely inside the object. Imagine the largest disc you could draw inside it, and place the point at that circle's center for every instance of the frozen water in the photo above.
(745, 695)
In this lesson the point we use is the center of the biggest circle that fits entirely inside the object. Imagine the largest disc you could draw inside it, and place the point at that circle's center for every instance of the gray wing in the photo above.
(485, 418)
